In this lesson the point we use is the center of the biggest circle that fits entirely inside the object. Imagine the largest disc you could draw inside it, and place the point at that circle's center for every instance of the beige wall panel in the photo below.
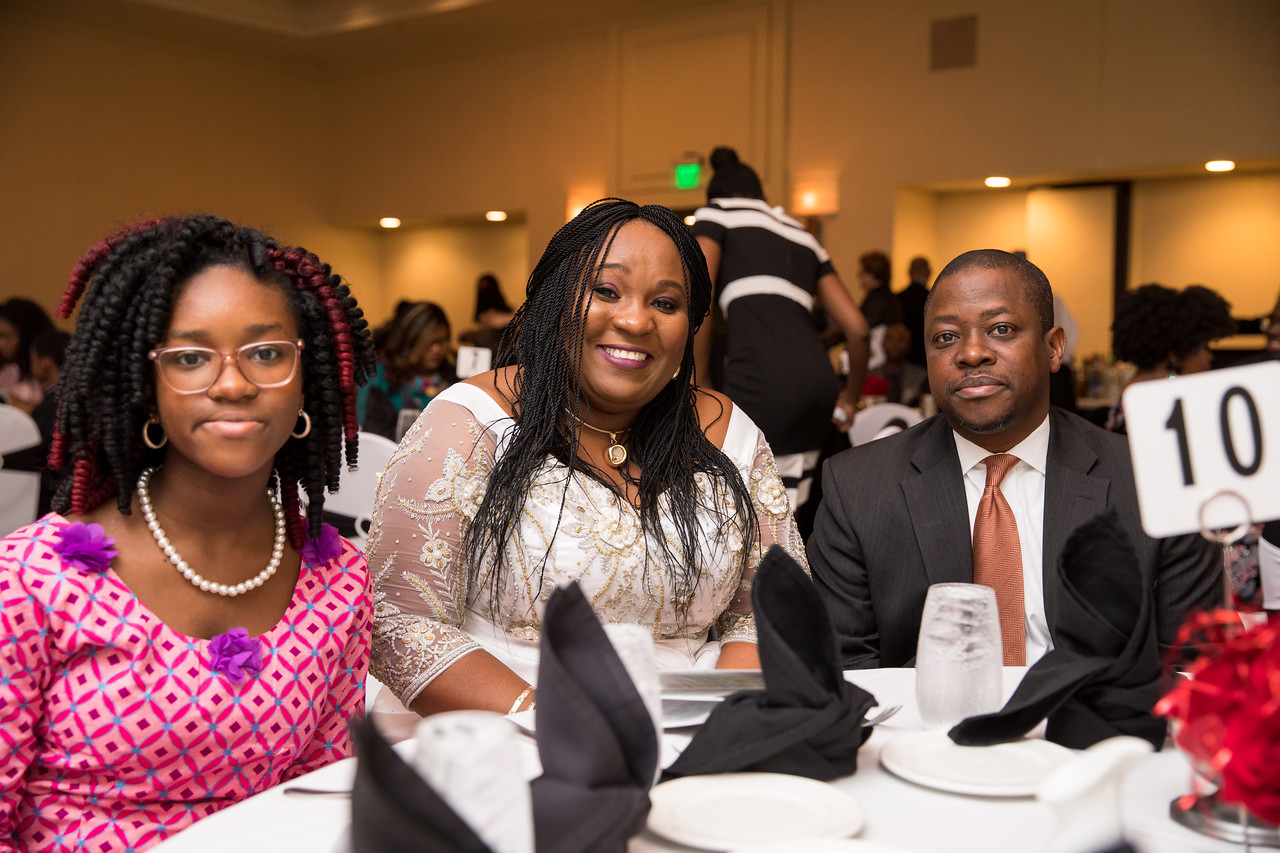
(688, 86)
(983, 220)
(101, 129)
(441, 265)
(1222, 231)
(1189, 81)
(1060, 88)
(915, 232)
(1071, 236)
(519, 131)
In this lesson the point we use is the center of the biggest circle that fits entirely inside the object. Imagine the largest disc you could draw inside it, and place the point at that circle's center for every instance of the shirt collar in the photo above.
(1033, 450)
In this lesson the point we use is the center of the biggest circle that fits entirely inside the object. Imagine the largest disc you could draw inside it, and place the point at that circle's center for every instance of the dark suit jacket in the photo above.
(894, 520)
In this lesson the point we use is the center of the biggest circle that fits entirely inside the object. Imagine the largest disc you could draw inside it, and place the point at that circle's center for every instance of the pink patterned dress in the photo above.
(116, 731)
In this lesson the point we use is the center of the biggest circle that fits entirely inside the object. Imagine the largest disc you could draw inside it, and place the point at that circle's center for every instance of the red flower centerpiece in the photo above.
(1226, 715)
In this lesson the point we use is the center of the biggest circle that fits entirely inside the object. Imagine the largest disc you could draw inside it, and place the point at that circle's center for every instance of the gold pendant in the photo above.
(616, 454)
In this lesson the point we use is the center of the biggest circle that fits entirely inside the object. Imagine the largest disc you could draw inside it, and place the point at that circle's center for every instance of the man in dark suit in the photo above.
(898, 514)
(911, 300)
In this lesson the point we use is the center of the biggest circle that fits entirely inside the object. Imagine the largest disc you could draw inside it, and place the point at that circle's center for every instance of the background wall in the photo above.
(106, 121)
(439, 265)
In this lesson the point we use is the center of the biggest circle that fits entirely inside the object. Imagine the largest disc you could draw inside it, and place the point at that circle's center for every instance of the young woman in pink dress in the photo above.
(180, 633)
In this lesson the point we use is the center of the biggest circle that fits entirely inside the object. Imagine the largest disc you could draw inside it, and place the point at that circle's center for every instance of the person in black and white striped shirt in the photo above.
(768, 271)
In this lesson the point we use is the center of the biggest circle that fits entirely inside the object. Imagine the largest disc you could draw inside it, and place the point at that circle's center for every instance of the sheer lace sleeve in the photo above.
(777, 527)
(427, 497)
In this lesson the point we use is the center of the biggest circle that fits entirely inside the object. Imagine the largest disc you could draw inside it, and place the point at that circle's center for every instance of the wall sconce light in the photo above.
(496, 216)
(389, 222)
(580, 196)
(816, 194)
(1220, 165)
(997, 182)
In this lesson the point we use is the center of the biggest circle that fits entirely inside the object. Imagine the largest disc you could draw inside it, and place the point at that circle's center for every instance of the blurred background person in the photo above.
(491, 317)
(48, 351)
(413, 367)
(1164, 332)
(879, 305)
(911, 306)
(21, 321)
(768, 270)
(907, 381)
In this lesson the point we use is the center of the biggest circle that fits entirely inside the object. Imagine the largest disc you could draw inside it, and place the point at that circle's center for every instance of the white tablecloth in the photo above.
(897, 812)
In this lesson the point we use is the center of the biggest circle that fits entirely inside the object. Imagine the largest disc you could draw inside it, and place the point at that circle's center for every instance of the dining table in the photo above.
(897, 814)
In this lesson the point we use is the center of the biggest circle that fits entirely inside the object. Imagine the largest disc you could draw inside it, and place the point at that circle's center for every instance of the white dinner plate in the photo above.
(724, 811)
(822, 845)
(935, 761)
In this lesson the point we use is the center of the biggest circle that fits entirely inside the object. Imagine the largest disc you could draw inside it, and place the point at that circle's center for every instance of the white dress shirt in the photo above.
(1023, 488)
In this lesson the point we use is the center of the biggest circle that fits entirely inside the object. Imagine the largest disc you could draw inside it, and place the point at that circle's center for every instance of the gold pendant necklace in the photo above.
(616, 454)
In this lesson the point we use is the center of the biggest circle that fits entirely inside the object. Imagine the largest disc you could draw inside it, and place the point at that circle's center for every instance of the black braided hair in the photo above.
(667, 444)
(129, 283)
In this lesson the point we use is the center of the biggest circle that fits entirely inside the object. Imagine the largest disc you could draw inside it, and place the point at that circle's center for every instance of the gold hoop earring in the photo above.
(146, 434)
(306, 430)
(675, 375)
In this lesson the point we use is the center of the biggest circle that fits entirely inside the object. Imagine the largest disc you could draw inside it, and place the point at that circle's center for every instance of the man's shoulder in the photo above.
(1070, 433)
(894, 452)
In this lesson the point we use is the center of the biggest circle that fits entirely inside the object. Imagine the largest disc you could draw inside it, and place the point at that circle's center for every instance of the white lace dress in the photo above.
(426, 617)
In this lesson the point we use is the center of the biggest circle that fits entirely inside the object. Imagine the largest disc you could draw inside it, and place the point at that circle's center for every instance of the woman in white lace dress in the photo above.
(588, 456)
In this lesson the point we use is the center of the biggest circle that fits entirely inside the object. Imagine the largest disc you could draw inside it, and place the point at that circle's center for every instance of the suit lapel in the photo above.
(1071, 497)
(939, 512)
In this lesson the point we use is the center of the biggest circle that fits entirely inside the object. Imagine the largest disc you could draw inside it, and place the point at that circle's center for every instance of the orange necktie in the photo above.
(997, 558)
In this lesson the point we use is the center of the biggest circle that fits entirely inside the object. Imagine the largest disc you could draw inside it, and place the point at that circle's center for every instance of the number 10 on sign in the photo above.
(1206, 448)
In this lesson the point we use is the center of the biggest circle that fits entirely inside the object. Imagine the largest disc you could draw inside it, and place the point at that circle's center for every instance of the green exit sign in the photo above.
(687, 175)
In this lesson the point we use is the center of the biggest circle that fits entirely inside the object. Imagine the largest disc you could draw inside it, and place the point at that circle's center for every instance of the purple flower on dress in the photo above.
(85, 546)
(236, 655)
(324, 547)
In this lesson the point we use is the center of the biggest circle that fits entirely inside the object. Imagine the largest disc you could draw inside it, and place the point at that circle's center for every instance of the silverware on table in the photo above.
(295, 791)
(883, 715)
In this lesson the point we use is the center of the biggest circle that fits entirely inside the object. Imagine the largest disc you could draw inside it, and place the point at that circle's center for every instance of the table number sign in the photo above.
(473, 360)
(1206, 449)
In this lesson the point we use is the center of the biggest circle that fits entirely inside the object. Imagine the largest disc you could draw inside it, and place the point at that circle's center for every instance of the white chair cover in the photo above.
(355, 496)
(19, 490)
(880, 420)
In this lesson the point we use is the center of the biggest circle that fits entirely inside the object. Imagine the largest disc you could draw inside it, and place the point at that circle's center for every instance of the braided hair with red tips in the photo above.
(127, 285)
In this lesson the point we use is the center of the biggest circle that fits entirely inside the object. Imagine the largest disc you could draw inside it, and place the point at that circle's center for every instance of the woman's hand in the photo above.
(845, 411)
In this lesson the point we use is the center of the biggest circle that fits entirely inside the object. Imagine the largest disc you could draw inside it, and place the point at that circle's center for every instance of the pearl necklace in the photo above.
(277, 550)
(616, 455)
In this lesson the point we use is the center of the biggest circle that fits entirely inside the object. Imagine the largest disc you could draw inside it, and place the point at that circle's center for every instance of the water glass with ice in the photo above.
(959, 659)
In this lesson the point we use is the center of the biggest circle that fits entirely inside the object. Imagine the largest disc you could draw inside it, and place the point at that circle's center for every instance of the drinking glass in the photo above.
(959, 659)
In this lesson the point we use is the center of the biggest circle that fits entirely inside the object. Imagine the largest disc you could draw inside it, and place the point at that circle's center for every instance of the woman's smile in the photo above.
(628, 359)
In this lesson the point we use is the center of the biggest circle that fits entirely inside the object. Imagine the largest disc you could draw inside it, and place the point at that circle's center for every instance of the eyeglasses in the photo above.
(191, 370)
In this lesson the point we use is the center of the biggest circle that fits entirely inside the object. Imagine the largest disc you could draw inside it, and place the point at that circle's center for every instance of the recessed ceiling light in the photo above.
(389, 222)
(496, 216)
(996, 181)
(1220, 165)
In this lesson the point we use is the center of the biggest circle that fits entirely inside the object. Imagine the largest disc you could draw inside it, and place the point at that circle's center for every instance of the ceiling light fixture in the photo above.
(496, 216)
(997, 182)
(1220, 165)
(389, 222)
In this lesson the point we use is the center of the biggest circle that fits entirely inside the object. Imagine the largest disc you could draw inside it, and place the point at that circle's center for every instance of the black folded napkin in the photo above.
(595, 737)
(1102, 677)
(394, 810)
(808, 720)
